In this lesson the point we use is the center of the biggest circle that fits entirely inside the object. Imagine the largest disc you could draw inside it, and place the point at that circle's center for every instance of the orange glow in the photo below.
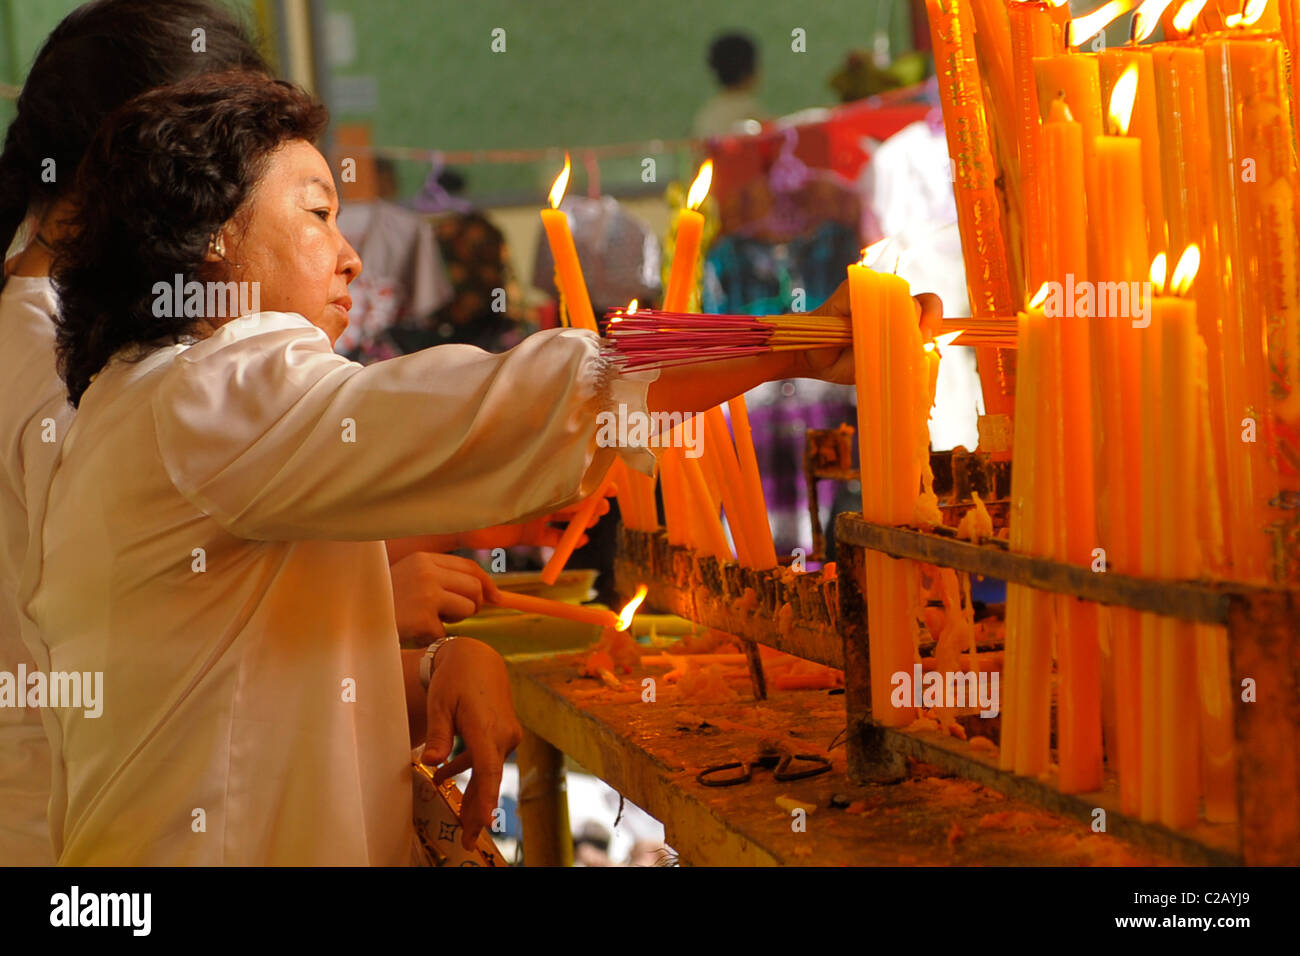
(947, 338)
(560, 185)
(1084, 28)
(625, 616)
(1185, 272)
(700, 188)
(1122, 99)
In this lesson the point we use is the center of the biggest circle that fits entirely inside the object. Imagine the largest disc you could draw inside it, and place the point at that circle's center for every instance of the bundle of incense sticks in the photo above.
(650, 338)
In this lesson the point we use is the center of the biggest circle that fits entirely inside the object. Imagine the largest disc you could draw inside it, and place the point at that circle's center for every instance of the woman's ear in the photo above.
(216, 248)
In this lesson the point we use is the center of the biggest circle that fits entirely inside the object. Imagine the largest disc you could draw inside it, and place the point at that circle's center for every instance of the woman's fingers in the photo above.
(929, 311)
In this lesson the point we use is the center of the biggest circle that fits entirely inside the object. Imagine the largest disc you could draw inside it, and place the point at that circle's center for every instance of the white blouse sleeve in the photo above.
(267, 430)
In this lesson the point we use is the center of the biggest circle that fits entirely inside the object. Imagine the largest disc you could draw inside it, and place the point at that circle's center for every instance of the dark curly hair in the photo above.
(159, 180)
(98, 57)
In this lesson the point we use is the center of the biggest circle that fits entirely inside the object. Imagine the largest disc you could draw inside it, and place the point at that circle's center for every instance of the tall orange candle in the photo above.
(568, 271)
(1145, 126)
(1173, 338)
(1079, 714)
(1117, 386)
(573, 287)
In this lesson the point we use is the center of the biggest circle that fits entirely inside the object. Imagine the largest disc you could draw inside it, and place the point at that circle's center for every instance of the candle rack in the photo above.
(826, 622)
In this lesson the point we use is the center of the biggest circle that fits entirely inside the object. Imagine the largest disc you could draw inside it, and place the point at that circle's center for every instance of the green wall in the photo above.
(581, 72)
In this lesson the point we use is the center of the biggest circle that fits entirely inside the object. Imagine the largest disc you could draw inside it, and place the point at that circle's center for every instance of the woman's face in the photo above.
(290, 241)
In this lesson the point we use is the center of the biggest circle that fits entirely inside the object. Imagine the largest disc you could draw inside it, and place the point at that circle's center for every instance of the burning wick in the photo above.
(625, 616)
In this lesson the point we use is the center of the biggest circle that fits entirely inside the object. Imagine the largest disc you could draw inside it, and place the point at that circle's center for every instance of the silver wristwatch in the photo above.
(426, 662)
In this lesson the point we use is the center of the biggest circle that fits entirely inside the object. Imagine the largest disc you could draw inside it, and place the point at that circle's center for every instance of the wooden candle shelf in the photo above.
(1263, 626)
(790, 611)
(825, 621)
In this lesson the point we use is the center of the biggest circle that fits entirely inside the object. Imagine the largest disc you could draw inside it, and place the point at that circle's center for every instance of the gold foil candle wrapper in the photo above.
(1258, 215)
(974, 171)
(1031, 37)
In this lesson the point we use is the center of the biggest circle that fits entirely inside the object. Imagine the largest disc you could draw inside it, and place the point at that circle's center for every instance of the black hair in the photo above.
(733, 57)
(159, 180)
(98, 57)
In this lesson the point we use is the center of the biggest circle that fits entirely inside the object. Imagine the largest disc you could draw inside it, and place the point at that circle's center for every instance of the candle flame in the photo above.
(700, 188)
(560, 185)
(1187, 14)
(1122, 99)
(1146, 18)
(1040, 297)
(630, 310)
(1159, 272)
(873, 252)
(625, 616)
(1250, 16)
(1084, 28)
(1185, 272)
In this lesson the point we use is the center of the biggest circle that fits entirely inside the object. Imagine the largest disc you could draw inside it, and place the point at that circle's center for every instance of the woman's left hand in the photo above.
(836, 365)
(469, 695)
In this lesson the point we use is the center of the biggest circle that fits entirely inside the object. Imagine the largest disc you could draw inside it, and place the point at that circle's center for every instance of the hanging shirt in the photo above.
(404, 280)
(212, 546)
(34, 416)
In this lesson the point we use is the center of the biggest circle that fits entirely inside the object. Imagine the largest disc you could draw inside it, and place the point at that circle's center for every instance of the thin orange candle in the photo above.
(1123, 258)
(1079, 710)
(529, 604)
(573, 287)
(569, 273)
(1172, 370)
(1144, 125)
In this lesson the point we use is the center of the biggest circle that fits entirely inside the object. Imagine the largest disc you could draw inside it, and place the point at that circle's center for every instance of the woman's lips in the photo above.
(344, 303)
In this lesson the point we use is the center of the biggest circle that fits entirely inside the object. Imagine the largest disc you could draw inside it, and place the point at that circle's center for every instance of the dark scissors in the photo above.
(784, 766)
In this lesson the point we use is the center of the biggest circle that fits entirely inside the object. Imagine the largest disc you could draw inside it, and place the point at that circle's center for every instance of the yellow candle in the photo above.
(890, 376)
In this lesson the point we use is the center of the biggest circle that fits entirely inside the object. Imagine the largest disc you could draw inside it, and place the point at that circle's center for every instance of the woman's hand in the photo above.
(429, 589)
(836, 365)
(469, 695)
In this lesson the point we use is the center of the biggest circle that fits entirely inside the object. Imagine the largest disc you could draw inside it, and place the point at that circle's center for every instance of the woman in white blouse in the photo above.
(259, 711)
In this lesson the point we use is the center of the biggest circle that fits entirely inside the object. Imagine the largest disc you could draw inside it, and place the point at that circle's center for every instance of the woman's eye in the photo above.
(323, 213)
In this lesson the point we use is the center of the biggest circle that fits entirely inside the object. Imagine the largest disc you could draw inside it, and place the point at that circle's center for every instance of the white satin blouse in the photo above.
(212, 544)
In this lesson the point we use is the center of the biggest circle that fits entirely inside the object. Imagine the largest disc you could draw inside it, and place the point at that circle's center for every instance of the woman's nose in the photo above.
(349, 261)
